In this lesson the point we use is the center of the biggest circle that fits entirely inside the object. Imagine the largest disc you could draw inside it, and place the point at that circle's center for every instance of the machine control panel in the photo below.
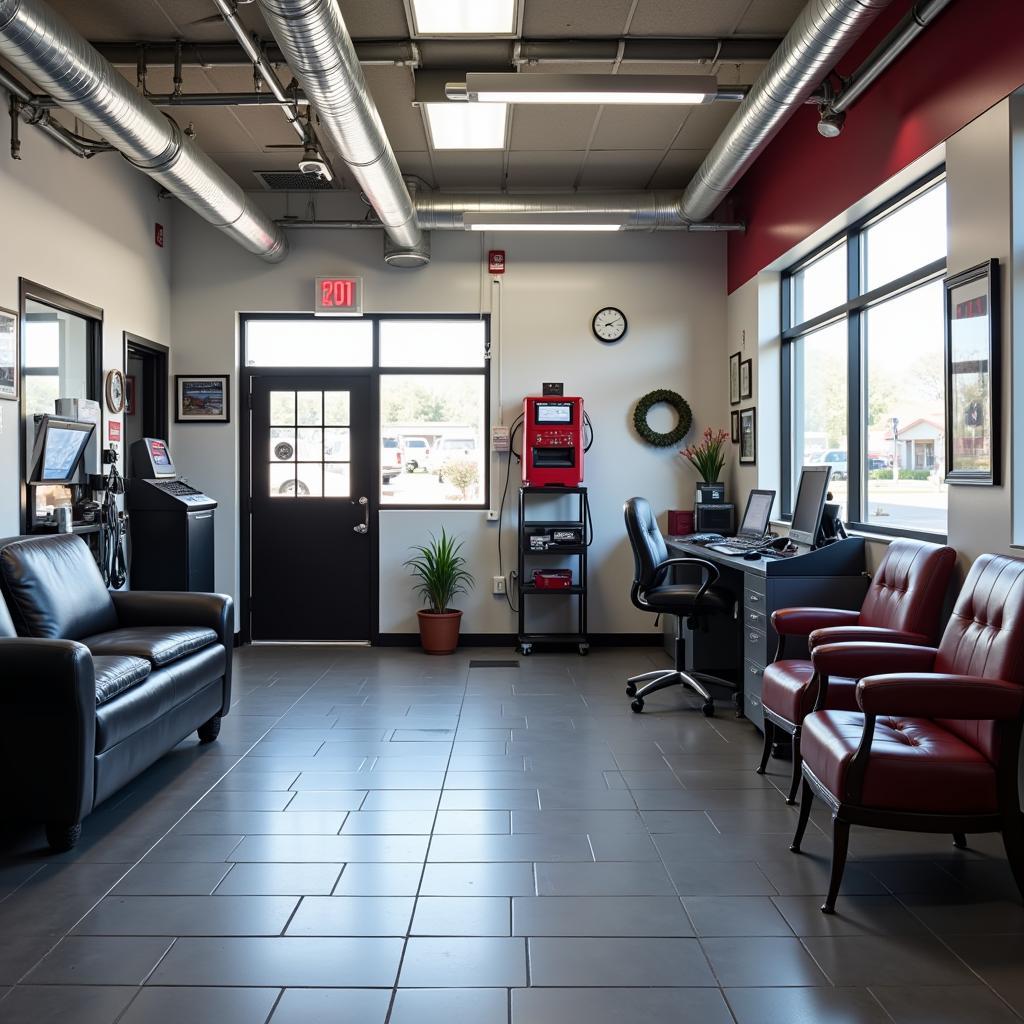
(553, 448)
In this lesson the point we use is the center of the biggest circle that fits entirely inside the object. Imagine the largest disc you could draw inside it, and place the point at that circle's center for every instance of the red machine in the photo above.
(552, 441)
(552, 579)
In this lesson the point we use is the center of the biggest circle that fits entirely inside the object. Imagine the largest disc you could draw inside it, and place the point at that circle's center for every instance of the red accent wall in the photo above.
(969, 59)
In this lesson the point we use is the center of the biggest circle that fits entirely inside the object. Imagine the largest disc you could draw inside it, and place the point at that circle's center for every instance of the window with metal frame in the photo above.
(862, 366)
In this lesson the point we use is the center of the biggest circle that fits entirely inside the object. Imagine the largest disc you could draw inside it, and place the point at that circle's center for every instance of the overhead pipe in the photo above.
(319, 50)
(822, 33)
(45, 48)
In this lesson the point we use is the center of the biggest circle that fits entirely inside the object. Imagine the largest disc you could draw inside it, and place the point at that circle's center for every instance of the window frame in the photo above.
(376, 373)
(857, 303)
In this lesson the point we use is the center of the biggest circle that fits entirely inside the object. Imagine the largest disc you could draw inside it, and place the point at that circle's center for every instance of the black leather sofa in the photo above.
(96, 685)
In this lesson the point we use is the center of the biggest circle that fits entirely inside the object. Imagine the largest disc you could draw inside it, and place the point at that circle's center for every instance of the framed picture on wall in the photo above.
(972, 376)
(129, 396)
(746, 379)
(8, 355)
(734, 379)
(748, 436)
(734, 425)
(202, 399)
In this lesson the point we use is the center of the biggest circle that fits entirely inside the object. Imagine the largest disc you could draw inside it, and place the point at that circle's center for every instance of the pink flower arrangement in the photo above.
(708, 455)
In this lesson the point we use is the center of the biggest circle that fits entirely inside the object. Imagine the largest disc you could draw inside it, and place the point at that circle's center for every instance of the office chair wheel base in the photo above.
(638, 705)
(708, 707)
(584, 650)
(630, 690)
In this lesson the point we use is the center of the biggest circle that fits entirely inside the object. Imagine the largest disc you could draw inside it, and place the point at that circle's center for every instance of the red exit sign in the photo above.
(338, 296)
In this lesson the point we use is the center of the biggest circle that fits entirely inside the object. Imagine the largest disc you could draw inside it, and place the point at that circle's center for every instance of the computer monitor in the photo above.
(151, 458)
(809, 505)
(757, 514)
(58, 450)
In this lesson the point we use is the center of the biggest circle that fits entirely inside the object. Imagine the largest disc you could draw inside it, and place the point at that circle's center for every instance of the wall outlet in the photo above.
(499, 585)
(491, 516)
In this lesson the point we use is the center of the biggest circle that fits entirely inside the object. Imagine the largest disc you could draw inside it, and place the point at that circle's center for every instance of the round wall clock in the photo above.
(609, 324)
(114, 390)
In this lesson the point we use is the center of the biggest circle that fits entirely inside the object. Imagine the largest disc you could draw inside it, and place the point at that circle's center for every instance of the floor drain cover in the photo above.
(485, 663)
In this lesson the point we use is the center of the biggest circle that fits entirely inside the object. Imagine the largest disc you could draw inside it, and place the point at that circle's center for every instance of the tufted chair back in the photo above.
(6, 623)
(648, 545)
(985, 637)
(908, 588)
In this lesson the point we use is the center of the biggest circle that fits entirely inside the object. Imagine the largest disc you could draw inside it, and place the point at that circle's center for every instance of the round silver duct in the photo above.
(407, 257)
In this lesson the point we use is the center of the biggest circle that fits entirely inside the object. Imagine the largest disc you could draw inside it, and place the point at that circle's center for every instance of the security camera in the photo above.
(313, 165)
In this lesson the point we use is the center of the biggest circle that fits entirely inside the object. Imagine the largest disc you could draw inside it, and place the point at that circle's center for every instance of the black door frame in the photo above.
(161, 356)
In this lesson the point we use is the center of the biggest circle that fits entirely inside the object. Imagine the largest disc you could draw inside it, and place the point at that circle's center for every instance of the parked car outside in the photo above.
(836, 458)
(390, 459)
(414, 453)
(446, 448)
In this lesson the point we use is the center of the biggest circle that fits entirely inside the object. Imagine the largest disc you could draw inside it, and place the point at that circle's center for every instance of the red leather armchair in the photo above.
(933, 746)
(902, 605)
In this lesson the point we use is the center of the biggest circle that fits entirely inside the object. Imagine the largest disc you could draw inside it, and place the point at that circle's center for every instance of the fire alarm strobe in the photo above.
(552, 579)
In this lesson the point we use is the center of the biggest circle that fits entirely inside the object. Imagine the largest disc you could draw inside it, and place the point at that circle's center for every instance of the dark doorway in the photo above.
(312, 465)
(146, 389)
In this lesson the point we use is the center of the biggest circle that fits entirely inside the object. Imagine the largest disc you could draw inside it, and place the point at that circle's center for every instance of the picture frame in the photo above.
(202, 398)
(748, 436)
(746, 379)
(129, 396)
(10, 368)
(973, 376)
(734, 379)
(734, 426)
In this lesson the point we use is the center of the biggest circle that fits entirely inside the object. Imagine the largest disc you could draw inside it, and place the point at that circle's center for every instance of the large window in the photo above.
(862, 366)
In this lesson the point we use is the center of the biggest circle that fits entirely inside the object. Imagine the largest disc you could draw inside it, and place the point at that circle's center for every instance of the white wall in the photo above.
(670, 286)
(84, 228)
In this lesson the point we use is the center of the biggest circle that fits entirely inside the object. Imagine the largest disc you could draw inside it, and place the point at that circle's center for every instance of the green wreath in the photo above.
(653, 437)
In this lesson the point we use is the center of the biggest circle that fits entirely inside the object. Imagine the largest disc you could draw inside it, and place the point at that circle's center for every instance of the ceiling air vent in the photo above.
(292, 181)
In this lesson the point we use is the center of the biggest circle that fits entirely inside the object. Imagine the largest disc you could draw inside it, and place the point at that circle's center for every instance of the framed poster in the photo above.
(734, 379)
(746, 379)
(734, 425)
(748, 436)
(129, 396)
(202, 399)
(8, 355)
(973, 376)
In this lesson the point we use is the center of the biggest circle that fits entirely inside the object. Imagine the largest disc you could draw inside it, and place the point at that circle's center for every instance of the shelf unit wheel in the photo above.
(526, 650)
(638, 705)
(630, 690)
(584, 650)
(708, 707)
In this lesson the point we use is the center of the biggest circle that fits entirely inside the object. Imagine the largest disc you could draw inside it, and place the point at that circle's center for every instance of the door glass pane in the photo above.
(336, 480)
(906, 426)
(336, 444)
(311, 445)
(819, 286)
(282, 444)
(912, 236)
(432, 342)
(282, 408)
(282, 480)
(309, 342)
(310, 408)
(309, 480)
(820, 404)
(336, 408)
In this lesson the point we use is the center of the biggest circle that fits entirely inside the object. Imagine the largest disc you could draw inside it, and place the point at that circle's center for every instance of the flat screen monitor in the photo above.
(58, 450)
(151, 458)
(809, 505)
(757, 514)
(554, 412)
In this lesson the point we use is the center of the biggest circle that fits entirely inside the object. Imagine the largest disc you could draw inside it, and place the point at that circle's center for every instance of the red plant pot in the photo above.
(439, 631)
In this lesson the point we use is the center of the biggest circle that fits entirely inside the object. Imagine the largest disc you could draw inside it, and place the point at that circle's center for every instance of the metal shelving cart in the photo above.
(581, 528)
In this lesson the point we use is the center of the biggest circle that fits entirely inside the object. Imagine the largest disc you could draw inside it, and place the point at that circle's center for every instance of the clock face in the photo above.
(609, 324)
(115, 391)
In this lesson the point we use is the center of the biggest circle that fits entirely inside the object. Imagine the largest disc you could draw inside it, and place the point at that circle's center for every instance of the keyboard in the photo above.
(745, 543)
(176, 487)
(704, 538)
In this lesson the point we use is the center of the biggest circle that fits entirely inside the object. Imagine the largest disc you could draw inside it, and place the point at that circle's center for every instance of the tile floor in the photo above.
(383, 837)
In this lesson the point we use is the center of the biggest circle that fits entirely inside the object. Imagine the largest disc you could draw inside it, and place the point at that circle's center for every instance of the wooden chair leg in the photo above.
(840, 842)
(794, 783)
(806, 798)
(769, 739)
(1013, 841)
(960, 840)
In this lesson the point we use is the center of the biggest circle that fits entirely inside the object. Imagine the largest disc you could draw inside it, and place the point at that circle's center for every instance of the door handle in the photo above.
(364, 526)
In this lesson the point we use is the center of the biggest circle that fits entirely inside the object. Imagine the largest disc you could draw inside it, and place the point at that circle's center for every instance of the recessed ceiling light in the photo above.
(464, 17)
(498, 220)
(484, 87)
(467, 125)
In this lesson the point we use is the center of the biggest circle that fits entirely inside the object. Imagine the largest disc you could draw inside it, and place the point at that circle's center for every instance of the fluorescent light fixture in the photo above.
(482, 87)
(466, 126)
(525, 221)
(464, 17)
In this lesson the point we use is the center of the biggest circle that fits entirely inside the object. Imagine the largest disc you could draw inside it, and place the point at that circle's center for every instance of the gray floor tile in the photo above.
(604, 879)
(489, 800)
(735, 915)
(945, 1004)
(630, 846)
(154, 1005)
(805, 1006)
(352, 915)
(855, 915)
(188, 849)
(35, 1004)
(462, 915)
(369, 780)
(478, 962)
(508, 879)
(444, 1005)
(285, 962)
(472, 823)
(887, 960)
(497, 848)
(332, 1006)
(615, 1005)
(171, 879)
(379, 880)
(616, 962)
(327, 800)
(383, 823)
(642, 916)
(568, 822)
(330, 849)
(719, 878)
(249, 780)
(275, 879)
(401, 800)
(99, 961)
(740, 961)
(188, 915)
(253, 800)
(292, 823)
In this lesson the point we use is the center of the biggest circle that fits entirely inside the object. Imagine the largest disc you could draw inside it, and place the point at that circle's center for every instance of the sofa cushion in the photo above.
(54, 589)
(915, 764)
(159, 645)
(6, 622)
(114, 675)
(788, 690)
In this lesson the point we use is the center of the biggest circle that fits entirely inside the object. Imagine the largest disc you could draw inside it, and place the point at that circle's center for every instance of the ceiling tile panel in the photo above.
(701, 129)
(676, 170)
(687, 17)
(375, 19)
(575, 17)
(216, 128)
(466, 169)
(128, 19)
(418, 165)
(769, 17)
(551, 127)
(392, 91)
(650, 127)
(543, 169)
(554, 68)
(629, 168)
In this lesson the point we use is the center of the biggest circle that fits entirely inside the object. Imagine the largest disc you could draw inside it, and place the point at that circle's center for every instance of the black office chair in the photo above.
(653, 592)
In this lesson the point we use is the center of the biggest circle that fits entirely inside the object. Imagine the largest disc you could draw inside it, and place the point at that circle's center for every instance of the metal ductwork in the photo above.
(40, 44)
(822, 33)
(316, 44)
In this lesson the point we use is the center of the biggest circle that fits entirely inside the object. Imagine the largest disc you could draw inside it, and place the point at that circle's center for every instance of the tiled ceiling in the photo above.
(557, 148)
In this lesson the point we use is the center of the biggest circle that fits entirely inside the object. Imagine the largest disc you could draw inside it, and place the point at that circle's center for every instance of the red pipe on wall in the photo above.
(967, 61)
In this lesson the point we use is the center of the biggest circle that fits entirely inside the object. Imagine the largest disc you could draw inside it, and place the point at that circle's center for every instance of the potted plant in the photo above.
(440, 571)
(708, 455)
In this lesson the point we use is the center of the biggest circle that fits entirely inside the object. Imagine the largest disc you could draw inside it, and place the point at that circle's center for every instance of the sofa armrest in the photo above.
(864, 634)
(858, 660)
(48, 725)
(181, 608)
(804, 621)
(940, 695)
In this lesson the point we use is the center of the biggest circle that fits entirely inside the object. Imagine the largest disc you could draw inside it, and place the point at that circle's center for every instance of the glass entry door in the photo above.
(312, 474)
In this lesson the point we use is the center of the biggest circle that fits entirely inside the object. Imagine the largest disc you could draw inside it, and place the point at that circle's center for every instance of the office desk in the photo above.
(831, 577)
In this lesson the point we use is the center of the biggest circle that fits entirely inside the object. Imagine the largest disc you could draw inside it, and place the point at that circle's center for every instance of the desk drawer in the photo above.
(756, 618)
(755, 645)
(755, 600)
(753, 678)
(758, 584)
